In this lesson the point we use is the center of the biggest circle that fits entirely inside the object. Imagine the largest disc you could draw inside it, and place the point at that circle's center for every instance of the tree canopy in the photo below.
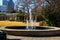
(52, 12)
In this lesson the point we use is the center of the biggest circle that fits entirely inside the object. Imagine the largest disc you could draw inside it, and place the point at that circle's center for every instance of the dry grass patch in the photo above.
(14, 23)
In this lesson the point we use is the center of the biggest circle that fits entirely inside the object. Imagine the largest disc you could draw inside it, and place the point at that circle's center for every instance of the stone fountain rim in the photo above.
(44, 32)
(31, 30)
(52, 29)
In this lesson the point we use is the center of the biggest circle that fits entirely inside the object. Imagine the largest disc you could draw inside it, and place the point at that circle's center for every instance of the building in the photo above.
(10, 6)
(7, 6)
(3, 8)
(11, 17)
(5, 2)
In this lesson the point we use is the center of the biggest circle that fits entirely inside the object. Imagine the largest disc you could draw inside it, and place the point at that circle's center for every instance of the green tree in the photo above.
(21, 13)
(52, 12)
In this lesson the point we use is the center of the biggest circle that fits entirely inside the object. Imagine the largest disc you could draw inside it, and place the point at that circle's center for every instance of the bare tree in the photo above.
(37, 8)
(34, 6)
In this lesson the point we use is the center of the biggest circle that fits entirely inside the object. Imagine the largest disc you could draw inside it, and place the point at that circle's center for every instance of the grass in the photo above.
(14, 23)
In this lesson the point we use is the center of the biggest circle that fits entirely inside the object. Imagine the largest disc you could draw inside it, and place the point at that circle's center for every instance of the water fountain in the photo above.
(32, 30)
(30, 23)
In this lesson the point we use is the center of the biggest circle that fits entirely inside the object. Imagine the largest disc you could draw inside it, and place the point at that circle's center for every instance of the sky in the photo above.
(1, 1)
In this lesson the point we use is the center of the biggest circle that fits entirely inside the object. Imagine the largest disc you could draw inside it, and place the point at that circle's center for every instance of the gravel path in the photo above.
(10, 37)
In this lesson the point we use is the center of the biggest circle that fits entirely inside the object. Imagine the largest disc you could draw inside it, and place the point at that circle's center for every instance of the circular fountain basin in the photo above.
(38, 31)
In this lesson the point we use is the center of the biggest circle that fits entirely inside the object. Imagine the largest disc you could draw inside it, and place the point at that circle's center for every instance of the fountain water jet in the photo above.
(30, 23)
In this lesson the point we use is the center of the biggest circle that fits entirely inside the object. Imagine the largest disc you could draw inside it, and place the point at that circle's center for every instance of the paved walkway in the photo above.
(10, 37)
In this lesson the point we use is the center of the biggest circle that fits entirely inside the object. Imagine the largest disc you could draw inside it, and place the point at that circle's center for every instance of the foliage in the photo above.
(40, 18)
(21, 13)
(13, 11)
(52, 13)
